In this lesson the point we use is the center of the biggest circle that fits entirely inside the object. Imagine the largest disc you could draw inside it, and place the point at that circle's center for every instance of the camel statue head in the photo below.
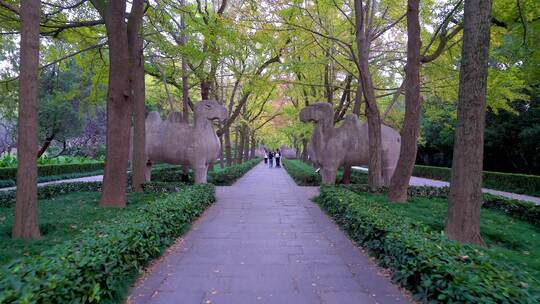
(210, 110)
(318, 112)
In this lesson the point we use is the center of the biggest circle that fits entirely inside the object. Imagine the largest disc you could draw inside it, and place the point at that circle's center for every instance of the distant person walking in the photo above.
(277, 155)
(270, 159)
(265, 157)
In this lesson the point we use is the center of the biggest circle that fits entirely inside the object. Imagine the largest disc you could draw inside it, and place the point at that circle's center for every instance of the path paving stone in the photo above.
(264, 241)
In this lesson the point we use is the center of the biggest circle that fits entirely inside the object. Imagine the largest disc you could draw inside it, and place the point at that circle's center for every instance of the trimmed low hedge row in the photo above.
(433, 268)
(7, 198)
(511, 182)
(521, 210)
(50, 170)
(220, 177)
(93, 267)
(305, 175)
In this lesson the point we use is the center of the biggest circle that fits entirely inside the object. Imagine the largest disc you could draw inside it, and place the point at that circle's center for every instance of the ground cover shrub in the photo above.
(407, 239)
(305, 175)
(510, 182)
(7, 198)
(11, 161)
(218, 176)
(522, 210)
(96, 264)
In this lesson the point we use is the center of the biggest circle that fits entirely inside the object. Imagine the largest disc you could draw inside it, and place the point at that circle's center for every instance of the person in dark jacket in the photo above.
(277, 156)
(270, 159)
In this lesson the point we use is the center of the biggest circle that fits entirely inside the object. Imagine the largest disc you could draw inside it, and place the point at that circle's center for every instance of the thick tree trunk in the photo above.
(25, 222)
(221, 153)
(411, 127)
(228, 154)
(135, 42)
(346, 174)
(253, 145)
(236, 147)
(119, 108)
(46, 145)
(465, 200)
(241, 145)
(372, 112)
(246, 143)
(205, 89)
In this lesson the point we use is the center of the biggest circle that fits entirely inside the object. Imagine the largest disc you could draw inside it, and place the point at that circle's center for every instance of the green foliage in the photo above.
(7, 198)
(10, 173)
(94, 265)
(220, 177)
(521, 210)
(515, 183)
(422, 260)
(305, 175)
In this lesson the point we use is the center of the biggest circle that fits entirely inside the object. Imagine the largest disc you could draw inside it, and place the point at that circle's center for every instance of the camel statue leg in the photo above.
(148, 171)
(200, 171)
(329, 175)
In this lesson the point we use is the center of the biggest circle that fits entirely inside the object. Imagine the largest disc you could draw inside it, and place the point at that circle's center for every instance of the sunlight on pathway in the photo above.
(265, 242)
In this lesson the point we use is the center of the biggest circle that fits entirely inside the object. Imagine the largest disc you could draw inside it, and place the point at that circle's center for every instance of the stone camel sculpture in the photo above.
(348, 144)
(174, 141)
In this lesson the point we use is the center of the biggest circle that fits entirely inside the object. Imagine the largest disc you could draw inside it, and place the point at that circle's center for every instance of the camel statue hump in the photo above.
(175, 117)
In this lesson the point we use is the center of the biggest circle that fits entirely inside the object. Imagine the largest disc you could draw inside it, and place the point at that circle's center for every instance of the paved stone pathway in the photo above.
(264, 241)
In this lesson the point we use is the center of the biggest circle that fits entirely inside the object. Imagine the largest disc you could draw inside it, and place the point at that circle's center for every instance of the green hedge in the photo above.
(510, 182)
(7, 198)
(521, 210)
(433, 268)
(220, 177)
(96, 265)
(305, 175)
(50, 170)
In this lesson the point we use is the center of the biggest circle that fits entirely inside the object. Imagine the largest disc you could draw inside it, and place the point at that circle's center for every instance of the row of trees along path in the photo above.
(125, 97)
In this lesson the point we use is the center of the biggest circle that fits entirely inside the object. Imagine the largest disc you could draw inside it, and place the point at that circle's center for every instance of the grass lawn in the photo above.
(511, 241)
(61, 219)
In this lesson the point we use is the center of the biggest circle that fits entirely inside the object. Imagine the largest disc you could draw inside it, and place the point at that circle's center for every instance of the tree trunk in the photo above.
(221, 153)
(236, 148)
(411, 126)
(346, 174)
(135, 42)
(25, 222)
(465, 200)
(205, 89)
(253, 145)
(372, 112)
(185, 84)
(246, 143)
(241, 145)
(46, 144)
(119, 108)
(228, 154)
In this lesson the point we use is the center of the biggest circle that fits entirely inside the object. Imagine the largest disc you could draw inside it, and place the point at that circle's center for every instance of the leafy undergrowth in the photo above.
(90, 254)
(61, 219)
(408, 239)
(509, 240)
(305, 174)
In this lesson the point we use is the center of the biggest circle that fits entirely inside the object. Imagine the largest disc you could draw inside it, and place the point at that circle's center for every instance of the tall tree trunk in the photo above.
(221, 153)
(241, 145)
(205, 89)
(372, 112)
(411, 126)
(246, 143)
(465, 200)
(25, 222)
(228, 154)
(119, 107)
(346, 174)
(46, 144)
(236, 147)
(185, 84)
(253, 145)
(135, 42)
